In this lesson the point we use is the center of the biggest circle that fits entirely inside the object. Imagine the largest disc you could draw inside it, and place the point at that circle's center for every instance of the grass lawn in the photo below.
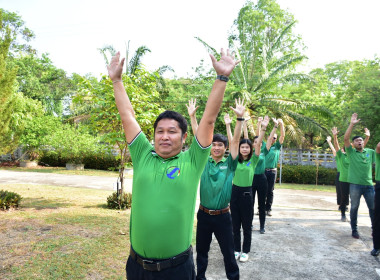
(62, 170)
(63, 233)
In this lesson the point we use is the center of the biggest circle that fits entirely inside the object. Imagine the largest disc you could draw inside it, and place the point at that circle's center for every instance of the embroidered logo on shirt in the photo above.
(172, 172)
(248, 163)
(223, 167)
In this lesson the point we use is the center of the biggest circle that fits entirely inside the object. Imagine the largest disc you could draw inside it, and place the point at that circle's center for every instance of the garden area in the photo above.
(55, 123)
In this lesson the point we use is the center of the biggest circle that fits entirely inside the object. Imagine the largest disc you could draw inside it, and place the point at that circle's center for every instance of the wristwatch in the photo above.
(222, 78)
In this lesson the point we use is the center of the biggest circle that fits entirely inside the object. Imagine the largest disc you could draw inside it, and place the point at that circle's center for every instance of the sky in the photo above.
(71, 31)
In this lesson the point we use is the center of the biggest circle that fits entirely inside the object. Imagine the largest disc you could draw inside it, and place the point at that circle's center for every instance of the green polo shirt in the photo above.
(260, 167)
(164, 194)
(271, 159)
(360, 168)
(377, 167)
(216, 182)
(342, 161)
(338, 163)
(245, 171)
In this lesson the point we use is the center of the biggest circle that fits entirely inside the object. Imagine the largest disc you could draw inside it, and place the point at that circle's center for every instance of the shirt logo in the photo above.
(223, 167)
(172, 172)
(248, 163)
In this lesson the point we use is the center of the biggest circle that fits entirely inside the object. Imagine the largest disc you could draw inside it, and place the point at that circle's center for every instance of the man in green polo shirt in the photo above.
(215, 193)
(166, 179)
(359, 174)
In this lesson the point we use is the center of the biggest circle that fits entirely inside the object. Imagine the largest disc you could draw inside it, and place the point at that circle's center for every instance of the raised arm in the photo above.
(367, 135)
(223, 67)
(271, 135)
(239, 111)
(328, 139)
(378, 148)
(259, 120)
(191, 110)
(245, 129)
(263, 128)
(127, 114)
(228, 121)
(347, 135)
(282, 131)
(335, 131)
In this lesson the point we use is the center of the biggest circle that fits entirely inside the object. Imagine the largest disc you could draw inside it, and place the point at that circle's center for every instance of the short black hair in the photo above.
(220, 138)
(182, 123)
(356, 137)
(245, 141)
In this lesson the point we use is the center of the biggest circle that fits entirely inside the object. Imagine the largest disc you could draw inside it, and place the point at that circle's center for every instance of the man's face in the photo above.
(168, 139)
(358, 143)
(273, 140)
(217, 150)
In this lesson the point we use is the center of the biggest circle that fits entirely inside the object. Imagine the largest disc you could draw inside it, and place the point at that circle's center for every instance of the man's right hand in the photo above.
(192, 108)
(354, 119)
(115, 69)
(334, 130)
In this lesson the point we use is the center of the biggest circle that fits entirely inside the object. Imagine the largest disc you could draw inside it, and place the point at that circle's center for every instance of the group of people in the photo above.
(354, 179)
(166, 180)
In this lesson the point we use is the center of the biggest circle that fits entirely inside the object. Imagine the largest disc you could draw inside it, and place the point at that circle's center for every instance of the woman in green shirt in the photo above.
(241, 197)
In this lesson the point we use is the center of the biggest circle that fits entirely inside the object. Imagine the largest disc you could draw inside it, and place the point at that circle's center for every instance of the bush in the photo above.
(9, 200)
(96, 160)
(306, 174)
(125, 201)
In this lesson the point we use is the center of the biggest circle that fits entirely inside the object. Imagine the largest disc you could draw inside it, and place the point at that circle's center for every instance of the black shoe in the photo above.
(375, 252)
(343, 219)
(262, 230)
(355, 234)
(269, 213)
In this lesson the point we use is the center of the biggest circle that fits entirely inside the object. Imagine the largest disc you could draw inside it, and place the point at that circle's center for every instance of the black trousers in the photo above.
(376, 218)
(260, 185)
(344, 190)
(271, 175)
(338, 189)
(242, 214)
(221, 226)
(185, 271)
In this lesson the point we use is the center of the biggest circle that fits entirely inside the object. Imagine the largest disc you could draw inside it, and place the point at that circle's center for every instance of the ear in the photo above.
(184, 138)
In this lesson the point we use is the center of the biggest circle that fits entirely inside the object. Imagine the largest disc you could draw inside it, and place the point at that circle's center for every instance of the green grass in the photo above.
(62, 170)
(320, 188)
(63, 233)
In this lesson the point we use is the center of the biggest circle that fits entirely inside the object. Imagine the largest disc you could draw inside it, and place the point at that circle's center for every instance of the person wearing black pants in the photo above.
(260, 185)
(376, 215)
(242, 215)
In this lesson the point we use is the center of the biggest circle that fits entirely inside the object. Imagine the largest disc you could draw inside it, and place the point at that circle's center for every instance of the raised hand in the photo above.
(192, 108)
(265, 122)
(366, 132)
(328, 139)
(334, 130)
(240, 108)
(115, 69)
(227, 119)
(280, 122)
(226, 64)
(354, 118)
(275, 122)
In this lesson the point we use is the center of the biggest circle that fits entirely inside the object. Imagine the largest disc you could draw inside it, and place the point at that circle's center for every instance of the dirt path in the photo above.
(304, 238)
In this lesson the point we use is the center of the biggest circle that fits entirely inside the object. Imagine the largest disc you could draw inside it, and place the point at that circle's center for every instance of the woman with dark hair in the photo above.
(241, 198)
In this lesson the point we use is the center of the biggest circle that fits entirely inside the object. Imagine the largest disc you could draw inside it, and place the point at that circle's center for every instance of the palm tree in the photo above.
(269, 55)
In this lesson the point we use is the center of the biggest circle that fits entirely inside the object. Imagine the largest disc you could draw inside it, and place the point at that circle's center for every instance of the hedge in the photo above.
(9, 200)
(306, 174)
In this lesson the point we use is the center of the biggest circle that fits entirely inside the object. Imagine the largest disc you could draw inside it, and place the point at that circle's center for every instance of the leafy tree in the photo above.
(263, 39)
(15, 109)
(103, 116)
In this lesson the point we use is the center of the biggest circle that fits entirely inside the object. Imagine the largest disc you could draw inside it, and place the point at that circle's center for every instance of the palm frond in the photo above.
(108, 49)
(209, 48)
(278, 42)
(136, 59)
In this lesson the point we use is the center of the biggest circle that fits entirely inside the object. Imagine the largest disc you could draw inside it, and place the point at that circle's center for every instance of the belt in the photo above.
(214, 212)
(158, 265)
(270, 169)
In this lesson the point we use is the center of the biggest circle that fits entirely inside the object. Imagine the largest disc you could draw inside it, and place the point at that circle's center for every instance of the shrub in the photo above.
(306, 174)
(9, 200)
(125, 201)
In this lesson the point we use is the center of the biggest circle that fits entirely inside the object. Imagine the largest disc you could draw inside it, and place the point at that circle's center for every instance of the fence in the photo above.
(307, 157)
